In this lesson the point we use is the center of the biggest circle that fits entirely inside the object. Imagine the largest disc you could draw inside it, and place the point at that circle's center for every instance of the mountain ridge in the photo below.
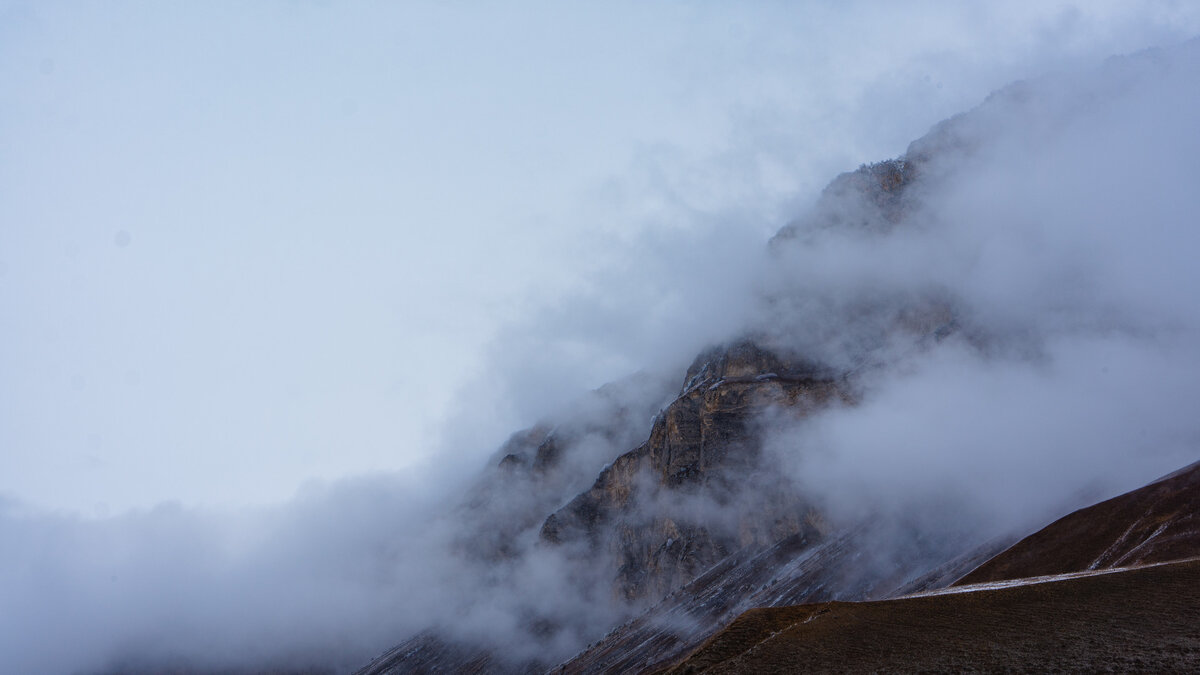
(692, 522)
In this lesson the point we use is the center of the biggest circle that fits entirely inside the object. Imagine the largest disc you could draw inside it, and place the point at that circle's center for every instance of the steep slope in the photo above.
(428, 653)
(1141, 619)
(658, 515)
(1155, 523)
(1149, 526)
(796, 570)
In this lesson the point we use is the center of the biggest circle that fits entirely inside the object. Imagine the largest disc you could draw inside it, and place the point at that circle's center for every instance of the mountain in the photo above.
(695, 510)
(660, 511)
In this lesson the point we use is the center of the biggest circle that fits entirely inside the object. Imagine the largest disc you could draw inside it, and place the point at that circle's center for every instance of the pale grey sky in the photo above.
(247, 246)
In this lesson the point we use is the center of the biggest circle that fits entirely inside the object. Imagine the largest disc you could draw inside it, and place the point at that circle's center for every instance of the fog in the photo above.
(1061, 241)
(276, 285)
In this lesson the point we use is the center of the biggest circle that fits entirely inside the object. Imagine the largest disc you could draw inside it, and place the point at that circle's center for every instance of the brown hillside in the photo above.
(1137, 620)
(1155, 523)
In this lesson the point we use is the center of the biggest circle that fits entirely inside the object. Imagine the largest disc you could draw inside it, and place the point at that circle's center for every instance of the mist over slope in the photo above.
(979, 345)
(1079, 596)
(1139, 620)
(1013, 334)
(1056, 221)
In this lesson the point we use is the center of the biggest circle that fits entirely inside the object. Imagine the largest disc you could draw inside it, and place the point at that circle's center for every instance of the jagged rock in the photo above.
(646, 511)
(874, 197)
(538, 468)
(517, 450)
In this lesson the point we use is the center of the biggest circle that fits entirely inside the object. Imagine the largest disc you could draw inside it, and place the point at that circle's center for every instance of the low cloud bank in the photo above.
(285, 586)
(326, 580)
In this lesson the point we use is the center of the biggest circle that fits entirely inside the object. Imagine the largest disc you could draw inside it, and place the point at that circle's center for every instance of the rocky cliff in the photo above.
(651, 511)
(690, 524)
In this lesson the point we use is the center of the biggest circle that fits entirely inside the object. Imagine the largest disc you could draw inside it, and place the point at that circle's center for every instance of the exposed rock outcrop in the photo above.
(873, 197)
(656, 511)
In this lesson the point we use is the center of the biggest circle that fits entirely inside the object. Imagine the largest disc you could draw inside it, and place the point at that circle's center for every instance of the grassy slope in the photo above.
(1155, 523)
(1144, 619)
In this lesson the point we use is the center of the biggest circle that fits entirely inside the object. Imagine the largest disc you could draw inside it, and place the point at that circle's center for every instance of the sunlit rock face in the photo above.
(675, 505)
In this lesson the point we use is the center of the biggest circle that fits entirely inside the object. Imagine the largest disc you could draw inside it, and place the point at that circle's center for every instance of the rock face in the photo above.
(874, 197)
(651, 510)
(539, 468)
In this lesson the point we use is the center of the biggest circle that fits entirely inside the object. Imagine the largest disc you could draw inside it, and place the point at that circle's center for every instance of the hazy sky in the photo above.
(243, 246)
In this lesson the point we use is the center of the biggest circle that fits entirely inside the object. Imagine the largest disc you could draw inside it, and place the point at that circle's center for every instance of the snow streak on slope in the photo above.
(1028, 581)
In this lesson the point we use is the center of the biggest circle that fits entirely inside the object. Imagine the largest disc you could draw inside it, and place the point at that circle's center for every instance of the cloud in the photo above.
(1056, 236)
(312, 582)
